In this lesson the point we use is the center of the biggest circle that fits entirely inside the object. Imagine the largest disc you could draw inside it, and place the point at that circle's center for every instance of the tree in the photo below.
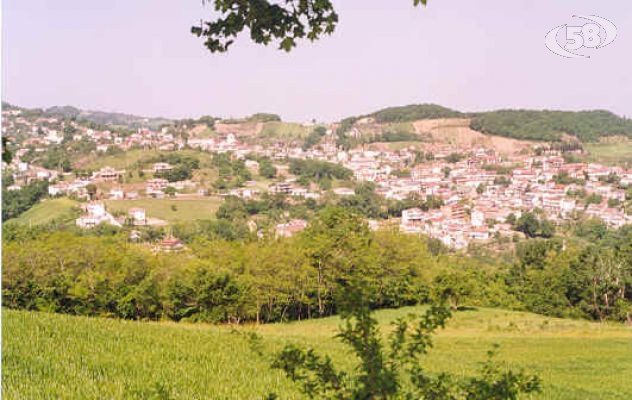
(530, 225)
(91, 188)
(391, 371)
(267, 169)
(453, 286)
(170, 191)
(336, 244)
(7, 156)
(267, 21)
(16, 202)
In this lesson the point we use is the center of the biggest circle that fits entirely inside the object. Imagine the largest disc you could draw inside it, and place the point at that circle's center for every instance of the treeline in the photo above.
(414, 112)
(587, 126)
(218, 280)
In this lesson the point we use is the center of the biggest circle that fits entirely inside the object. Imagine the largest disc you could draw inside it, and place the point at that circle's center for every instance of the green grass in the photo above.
(47, 211)
(610, 153)
(119, 161)
(54, 356)
(129, 158)
(185, 210)
(285, 130)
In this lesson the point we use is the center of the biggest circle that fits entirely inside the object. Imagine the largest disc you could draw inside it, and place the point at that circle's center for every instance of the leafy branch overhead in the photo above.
(285, 21)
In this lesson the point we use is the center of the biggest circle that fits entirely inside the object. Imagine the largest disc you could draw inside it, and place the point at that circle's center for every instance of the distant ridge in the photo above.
(108, 118)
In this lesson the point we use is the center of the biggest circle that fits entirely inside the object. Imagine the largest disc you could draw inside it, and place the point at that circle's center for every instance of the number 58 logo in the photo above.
(587, 35)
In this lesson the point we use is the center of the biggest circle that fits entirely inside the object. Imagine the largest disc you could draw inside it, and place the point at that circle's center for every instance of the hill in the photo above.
(47, 211)
(414, 112)
(541, 125)
(587, 126)
(56, 356)
(107, 118)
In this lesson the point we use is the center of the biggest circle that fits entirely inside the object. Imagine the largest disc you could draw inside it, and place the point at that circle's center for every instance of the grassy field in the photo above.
(185, 210)
(48, 356)
(610, 153)
(284, 130)
(118, 161)
(48, 210)
(127, 159)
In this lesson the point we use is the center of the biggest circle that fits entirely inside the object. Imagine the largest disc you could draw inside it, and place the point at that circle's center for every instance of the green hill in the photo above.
(546, 125)
(414, 112)
(57, 356)
(587, 126)
(47, 211)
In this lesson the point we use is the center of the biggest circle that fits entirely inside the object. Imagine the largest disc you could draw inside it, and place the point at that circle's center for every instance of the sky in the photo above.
(139, 57)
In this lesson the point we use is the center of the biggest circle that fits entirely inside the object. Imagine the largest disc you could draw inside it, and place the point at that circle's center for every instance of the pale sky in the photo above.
(139, 57)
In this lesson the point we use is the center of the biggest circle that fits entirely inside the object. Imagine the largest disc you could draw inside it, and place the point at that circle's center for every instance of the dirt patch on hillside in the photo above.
(456, 131)
(239, 129)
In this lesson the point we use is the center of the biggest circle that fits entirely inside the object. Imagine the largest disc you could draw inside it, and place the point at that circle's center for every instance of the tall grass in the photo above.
(49, 356)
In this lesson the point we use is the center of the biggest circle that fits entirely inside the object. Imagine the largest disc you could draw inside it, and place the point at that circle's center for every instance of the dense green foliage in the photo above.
(587, 126)
(397, 137)
(321, 172)
(183, 166)
(229, 275)
(286, 22)
(534, 226)
(414, 112)
(267, 169)
(592, 281)
(392, 371)
(314, 137)
(216, 280)
(15, 202)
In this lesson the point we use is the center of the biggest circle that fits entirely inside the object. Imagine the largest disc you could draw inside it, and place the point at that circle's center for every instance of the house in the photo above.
(291, 228)
(170, 244)
(477, 218)
(157, 183)
(344, 191)
(162, 167)
(117, 194)
(412, 217)
(55, 190)
(96, 215)
(281, 187)
(109, 174)
(252, 165)
(137, 216)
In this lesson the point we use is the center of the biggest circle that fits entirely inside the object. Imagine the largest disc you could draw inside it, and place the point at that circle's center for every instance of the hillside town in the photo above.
(478, 191)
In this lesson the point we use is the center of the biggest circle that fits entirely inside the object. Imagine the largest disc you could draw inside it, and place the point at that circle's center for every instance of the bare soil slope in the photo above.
(456, 131)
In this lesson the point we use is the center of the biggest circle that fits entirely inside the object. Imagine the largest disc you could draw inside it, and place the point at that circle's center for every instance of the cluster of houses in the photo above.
(479, 189)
